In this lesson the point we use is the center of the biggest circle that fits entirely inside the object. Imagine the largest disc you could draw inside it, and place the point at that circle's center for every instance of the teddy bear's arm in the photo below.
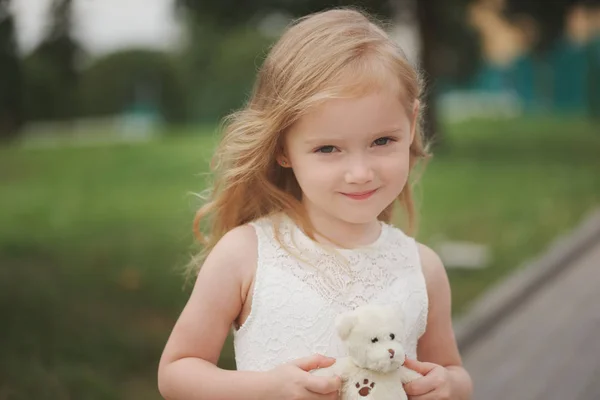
(337, 369)
(329, 371)
(408, 375)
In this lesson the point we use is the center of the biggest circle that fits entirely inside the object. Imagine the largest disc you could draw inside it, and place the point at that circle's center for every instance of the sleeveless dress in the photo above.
(298, 294)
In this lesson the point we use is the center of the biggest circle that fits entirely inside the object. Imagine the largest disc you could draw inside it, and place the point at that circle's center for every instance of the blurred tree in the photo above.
(549, 17)
(546, 22)
(222, 71)
(219, 64)
(449, 48)
(128, 78)
(52, 68)
(10, 75)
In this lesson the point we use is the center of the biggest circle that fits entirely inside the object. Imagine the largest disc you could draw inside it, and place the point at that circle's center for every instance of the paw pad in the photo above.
(365, 388)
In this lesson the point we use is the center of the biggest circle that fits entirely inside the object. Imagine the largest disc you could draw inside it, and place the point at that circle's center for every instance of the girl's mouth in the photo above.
(360, 195)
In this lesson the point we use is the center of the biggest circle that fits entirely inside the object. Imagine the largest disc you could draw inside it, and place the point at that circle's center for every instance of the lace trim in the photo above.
(346, 277)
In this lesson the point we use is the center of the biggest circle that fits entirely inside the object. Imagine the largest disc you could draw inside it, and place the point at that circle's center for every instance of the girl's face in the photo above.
(351, 156)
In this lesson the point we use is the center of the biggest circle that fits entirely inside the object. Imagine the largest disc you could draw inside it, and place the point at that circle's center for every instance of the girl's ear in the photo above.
(414, 119)
(282, 158)
(283, 161)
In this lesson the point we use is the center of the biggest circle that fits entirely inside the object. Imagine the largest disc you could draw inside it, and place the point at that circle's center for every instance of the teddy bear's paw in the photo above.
(365, 388)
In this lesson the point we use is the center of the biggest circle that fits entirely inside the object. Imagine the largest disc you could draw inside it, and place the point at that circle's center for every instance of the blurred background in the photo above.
(108, 117)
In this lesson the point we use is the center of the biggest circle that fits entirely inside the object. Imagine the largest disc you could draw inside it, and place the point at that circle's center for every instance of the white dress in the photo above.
(295, 302)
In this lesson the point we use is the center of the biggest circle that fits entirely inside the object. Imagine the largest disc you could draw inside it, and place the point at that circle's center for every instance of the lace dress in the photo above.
(297, 296)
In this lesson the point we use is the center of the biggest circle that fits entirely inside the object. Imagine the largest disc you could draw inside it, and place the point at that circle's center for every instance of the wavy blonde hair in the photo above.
(330, 54)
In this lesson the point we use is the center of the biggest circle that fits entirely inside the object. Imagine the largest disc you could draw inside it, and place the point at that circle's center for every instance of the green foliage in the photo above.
(135, 77)
(51, 70)
(449, 50)
(220, 67)
(453, 45)
(231, 12)
(11, 75)
(42, 89)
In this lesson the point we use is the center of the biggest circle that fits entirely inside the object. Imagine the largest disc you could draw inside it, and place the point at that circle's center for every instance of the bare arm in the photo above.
(438, 344)
(187, 367)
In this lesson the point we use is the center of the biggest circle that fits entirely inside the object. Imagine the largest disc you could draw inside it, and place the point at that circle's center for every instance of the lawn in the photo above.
(91, 240)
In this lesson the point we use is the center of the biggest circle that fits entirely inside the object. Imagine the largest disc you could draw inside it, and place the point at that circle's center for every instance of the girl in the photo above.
(307, 176)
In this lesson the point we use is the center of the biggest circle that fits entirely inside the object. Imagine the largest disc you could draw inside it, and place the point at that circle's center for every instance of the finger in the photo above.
(322, 385)
(314, 362)
(429, 396)
(420, 387)
(330, 396)
(421, 367)
(433, 395)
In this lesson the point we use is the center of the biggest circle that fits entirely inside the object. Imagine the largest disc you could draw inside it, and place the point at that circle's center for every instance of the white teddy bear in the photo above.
(374, 369)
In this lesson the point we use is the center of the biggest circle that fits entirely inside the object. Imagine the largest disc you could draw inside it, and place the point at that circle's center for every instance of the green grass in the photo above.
(90, 239)
(512, 186)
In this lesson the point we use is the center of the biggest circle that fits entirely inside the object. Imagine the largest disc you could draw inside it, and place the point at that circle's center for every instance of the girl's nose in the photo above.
(359, 172)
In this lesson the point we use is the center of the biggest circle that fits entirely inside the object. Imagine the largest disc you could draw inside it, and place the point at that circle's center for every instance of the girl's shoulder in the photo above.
(237, 244)
(433, 269)
(236, 254)
(239, 248)
(430, 260)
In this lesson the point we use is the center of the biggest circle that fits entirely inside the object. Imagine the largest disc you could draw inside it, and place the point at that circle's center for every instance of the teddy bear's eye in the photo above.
(392, 336)
(374, 340)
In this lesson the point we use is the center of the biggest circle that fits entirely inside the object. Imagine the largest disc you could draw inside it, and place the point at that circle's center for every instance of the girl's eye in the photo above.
(392, 336)
(325, 149)
(374, 340)
(382, 141)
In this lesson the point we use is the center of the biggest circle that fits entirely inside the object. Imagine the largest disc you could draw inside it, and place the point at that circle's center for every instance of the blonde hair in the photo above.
(339, 52)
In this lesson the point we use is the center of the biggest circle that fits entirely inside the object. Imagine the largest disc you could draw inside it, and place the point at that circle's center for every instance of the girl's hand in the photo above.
(434, 385)
(294, 382)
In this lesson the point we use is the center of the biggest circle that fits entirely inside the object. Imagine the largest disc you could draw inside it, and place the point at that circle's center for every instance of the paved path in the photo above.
(549, 348)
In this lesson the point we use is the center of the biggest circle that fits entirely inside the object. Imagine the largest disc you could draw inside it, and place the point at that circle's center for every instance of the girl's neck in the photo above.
(341, 233)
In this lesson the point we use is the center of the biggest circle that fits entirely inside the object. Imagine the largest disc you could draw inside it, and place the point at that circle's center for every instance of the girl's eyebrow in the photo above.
(322, 139)
(387, 131)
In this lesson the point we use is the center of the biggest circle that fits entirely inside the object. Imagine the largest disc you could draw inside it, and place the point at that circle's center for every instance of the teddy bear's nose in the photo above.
(392, 353)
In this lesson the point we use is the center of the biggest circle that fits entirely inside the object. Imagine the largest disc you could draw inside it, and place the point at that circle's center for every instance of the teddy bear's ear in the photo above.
(345, 323)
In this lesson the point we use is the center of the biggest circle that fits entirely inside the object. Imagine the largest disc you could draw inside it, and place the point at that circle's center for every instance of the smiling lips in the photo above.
(360, 195)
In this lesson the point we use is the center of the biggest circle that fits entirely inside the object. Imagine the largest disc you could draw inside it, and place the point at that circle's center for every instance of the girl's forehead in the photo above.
(351, 88)
(376, 112)
(357, 82)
